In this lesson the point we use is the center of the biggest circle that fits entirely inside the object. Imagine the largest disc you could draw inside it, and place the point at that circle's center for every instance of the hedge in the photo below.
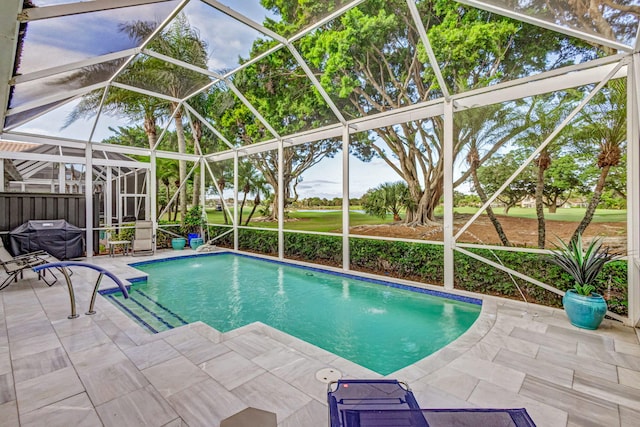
(425, 263)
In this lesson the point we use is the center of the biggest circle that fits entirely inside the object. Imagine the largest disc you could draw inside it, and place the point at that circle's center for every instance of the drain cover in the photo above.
(327, 375)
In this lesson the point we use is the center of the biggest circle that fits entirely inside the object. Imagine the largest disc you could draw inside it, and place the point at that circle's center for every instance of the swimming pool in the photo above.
(383, 328)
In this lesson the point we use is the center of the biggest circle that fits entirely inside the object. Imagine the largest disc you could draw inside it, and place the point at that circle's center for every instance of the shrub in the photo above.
(425, 263)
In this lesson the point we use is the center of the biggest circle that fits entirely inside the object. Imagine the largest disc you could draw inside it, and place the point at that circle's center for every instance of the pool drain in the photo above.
(327, 375)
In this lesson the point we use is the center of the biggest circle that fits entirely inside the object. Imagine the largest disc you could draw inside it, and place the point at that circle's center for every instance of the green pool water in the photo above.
(377, 326)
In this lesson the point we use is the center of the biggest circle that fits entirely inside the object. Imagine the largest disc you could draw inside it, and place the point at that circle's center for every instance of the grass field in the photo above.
(562, 214)
(331, 220)
(309, 221)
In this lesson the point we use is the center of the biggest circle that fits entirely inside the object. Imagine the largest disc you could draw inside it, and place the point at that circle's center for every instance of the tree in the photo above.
(258, 190)
(179, 41)
(168, 173)
(493, 127)
(562, 180)
(497, 170)
(388, 197)
(249, 181)
(603, 124)
(118, 102)
(223, 174)
(547, 112)
(463, 200)
(617, 178)
(371, 60)
(281, 92)
(609, 19)
(166, 170)
(296, 160)
(283, 96)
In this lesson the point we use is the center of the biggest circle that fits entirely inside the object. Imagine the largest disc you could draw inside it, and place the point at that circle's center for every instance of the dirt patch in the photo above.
(521, 232)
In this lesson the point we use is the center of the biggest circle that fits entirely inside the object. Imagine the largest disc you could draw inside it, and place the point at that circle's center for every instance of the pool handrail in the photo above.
(62, 266)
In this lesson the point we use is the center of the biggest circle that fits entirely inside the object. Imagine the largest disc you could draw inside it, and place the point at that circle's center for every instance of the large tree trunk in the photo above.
(473, 159)
(275, 207)
(422, 213)
(276, 198)
(256, 203)
(182, 164)
(593, 203)
(416, 170)
(149, 125)
(197, 137)
(494, 220)
(150, 130)
(195, 198)
(543, 161)
(244, 199)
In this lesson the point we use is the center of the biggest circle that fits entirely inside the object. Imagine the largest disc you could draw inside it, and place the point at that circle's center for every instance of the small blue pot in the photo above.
(586, 312)
(178, 243)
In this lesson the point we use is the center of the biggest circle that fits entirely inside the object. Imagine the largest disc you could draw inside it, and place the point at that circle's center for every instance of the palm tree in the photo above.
(222, 173)
(486, 130)
(120, 102)
(168, 173)
(390, 196)
(605, 126)
(179, 41)
(548, 115)
(260, 188)
(209, 143)
(251, 181)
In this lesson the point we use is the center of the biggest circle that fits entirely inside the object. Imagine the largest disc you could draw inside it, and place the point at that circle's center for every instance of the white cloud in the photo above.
(227, 39)
(40, 56)
(250, 8)
(50, 124)
(324, 179)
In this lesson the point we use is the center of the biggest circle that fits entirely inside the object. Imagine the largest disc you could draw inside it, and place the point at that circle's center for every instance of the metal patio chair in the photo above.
(143, 239)
(15, 266)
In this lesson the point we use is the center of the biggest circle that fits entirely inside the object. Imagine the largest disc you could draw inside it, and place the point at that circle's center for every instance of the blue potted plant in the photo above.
(178, 243)
(584, 307)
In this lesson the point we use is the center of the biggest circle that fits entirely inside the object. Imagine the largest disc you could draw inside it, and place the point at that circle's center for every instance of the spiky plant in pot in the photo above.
(585, 308)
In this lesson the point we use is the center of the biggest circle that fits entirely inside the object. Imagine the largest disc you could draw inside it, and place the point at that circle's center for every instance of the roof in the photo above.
(26, 168)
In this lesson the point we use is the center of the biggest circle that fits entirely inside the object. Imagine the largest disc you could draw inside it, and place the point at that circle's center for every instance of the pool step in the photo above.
(147, 312)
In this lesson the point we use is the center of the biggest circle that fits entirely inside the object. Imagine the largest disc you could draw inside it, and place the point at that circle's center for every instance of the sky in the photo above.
(56, 42)
(59, 41)
(324, 180)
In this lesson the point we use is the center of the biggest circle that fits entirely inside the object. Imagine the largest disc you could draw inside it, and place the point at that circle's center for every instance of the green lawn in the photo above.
(562, 214)
(309, 221)
(332, 220)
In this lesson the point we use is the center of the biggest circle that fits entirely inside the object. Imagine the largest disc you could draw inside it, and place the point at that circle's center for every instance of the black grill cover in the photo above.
(57, 237)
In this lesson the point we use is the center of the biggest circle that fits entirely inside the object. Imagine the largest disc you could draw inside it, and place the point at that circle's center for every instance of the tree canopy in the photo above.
(371, 60)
